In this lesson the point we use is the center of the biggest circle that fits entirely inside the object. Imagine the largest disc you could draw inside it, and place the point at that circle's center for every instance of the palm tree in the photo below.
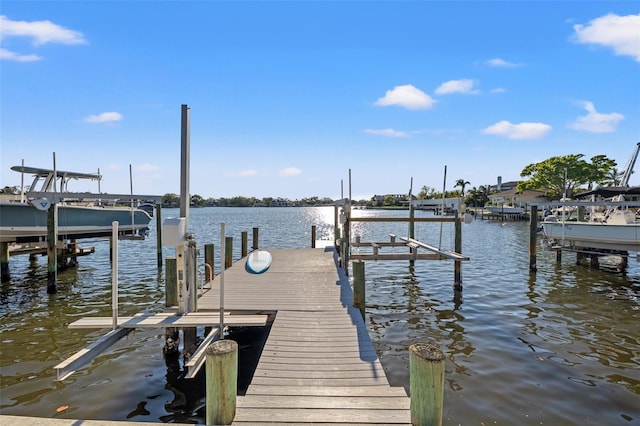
(613, 177)
(462, 183)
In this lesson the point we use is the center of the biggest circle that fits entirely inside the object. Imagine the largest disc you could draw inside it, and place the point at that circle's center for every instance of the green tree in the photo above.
(461, 183)
(563, 174)
(197, 201)
(614, 177)
(170, 200)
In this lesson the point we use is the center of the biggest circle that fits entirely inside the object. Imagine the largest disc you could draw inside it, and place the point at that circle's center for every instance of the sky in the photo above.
(298, 99)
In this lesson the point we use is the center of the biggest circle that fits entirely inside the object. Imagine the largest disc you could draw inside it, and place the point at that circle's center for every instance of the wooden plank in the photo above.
(163, 320)
(86, 355)
(278, 415)
(197, 359)
(327, 401)
(335, 391)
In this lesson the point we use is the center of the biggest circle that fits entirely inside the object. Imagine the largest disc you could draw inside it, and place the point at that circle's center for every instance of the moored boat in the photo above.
(80, 215)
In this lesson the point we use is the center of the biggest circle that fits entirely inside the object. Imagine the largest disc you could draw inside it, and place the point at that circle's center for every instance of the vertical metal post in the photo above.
(184, 165)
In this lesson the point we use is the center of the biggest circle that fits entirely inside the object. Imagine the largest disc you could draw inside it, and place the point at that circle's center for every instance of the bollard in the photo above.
(359, 299)
(222, 382)
(426, 384)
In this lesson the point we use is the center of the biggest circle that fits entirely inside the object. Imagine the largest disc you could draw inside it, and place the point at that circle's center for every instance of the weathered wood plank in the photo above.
(163, 320)
(278, 415)
(335, 391)
(327, 401)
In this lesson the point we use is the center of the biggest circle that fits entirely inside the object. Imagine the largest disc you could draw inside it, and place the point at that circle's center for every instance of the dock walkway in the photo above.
(318, 364)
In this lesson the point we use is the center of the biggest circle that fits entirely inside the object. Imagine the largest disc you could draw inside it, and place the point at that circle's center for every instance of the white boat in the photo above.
(505, 209)
(617, 231)
(80, 215)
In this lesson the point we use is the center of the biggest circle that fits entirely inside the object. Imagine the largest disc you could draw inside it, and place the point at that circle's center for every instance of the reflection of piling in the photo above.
(222, 382)
(426, 384)
(359, 294)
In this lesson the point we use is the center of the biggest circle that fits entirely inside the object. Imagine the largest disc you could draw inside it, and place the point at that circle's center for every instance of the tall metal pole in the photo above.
(185, 140)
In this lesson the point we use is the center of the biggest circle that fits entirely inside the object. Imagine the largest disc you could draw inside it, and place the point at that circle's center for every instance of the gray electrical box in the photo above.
(174, 231)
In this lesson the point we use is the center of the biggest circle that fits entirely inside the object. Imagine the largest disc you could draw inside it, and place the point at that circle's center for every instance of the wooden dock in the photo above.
(318, 364)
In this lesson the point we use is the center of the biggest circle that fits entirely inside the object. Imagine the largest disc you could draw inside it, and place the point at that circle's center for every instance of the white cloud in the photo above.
(498, 90)
(290, 171)
(41, 32)
(245, 173)
(387, 132)
(105, 117)
(464, 86)
(501, 63)
(518, 131)
(407, 96)
(621, 33)
(595, 122)
(12, 56)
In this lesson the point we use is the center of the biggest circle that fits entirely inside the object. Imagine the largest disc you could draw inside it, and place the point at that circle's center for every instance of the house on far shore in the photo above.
(512, 197)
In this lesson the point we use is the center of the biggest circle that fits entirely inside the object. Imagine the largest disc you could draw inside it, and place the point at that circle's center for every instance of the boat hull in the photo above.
(624, 237)
(23, 223)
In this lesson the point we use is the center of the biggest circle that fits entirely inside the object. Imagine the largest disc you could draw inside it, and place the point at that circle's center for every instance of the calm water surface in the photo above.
(558, 347)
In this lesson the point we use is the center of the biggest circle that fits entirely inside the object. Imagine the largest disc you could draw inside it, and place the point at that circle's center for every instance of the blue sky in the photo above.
(286, 97)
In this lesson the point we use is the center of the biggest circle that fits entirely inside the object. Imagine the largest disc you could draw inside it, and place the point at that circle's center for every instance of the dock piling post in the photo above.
(209, 272)
(171, 282)
(159, 233)
(255, 239)
(244, 244)
(5, 272)
(313, 236)
(457, 265)
(228, 252)
(426, 384)
(221, 382)
(52, 251)
(533, 238)
(359, 292)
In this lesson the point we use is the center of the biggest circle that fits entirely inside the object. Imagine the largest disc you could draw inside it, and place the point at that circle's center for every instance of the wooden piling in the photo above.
(313, 236)
(533, 238)
(457, 265)
(228, 252)
(209, 272)
(159, 234)
(52, 251)
(255, 239)
(426, 384)
(221, 382)
(244, 244)
(171, 282)
(5, 272)
(359, 292)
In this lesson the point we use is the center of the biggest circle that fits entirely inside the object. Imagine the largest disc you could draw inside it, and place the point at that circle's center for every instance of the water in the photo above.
(558, 347)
